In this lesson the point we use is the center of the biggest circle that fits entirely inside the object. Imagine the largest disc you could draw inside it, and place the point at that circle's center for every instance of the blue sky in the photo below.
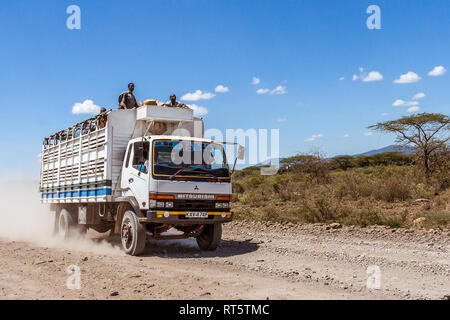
(182, 46)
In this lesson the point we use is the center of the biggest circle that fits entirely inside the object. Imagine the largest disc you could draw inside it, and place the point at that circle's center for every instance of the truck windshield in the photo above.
(189, 160)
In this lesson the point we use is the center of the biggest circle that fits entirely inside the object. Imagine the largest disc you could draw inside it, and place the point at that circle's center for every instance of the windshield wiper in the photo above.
(205, 171)
(179, 171)
(175, 174)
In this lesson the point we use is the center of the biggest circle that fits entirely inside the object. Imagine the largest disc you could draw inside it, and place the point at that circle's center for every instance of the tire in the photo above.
(65, 227)
(210, 237)
(132, 234)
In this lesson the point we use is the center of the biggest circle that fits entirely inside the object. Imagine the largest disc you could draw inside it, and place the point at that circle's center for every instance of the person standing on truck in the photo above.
(127, 99)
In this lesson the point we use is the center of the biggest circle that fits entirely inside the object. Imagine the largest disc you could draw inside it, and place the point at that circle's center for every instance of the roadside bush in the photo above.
(255, 181)
(372, 216)
(238, 188)
(361, 196)
(314, 166)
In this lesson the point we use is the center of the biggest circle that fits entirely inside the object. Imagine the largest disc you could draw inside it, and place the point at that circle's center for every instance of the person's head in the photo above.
(173, 98)
(102, 110)
(131, 86)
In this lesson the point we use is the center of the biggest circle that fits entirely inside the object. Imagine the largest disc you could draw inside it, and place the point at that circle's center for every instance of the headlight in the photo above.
(220, 205)
(169, 204)
(152, 203)
(160, 204)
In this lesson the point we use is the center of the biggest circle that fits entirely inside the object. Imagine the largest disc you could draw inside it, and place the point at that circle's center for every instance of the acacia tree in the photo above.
(425, 132)
(342, 162)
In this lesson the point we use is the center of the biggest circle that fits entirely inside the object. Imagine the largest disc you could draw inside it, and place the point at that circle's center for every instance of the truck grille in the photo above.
(194, 205)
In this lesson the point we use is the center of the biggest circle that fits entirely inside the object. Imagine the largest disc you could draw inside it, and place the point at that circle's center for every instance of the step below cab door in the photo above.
(135, 172)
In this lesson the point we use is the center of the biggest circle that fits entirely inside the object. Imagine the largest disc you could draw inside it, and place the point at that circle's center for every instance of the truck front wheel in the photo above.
(133, 234)
(210, 237)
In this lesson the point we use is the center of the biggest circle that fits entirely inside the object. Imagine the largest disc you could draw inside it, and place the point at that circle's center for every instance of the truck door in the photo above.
(136, 172)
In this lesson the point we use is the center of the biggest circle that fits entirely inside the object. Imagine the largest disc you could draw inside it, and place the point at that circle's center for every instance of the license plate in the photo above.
(196, 214)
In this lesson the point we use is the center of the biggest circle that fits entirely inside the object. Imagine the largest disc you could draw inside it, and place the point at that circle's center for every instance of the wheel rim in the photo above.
(127, 234)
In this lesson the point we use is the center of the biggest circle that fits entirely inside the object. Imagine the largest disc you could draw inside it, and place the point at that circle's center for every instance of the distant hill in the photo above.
(390, 148)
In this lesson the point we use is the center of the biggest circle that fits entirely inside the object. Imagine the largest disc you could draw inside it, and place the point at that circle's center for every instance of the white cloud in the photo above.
(222, 89)
(281, 119)
(279, 90)
(341, 78)
(368, 133)
(437, 71)
(403, 103)
(419, 96)
(87, 106)
(413, 109)
(262, 91)
(373, 76)
(346, 135)
(198, 110)
(368, 77)
(198, 95)
(256, 81)
(384, 114)
(409, 77)
(314, 137)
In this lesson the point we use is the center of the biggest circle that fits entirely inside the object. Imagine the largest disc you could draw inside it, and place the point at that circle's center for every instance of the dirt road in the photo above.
(254, 261)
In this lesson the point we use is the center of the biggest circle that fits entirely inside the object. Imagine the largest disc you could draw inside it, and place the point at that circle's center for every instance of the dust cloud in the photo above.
(25, 219)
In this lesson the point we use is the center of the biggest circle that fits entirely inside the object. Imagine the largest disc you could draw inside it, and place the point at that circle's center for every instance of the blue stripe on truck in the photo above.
(77, 193)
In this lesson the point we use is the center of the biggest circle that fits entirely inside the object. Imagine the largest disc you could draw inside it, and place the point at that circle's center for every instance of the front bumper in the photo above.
(179, 218)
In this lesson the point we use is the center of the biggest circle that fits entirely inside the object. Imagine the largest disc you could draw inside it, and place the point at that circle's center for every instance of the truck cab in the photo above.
(178, 180)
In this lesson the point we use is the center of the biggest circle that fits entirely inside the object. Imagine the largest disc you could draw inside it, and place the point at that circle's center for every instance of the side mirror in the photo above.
(240, 156)
(241, 153)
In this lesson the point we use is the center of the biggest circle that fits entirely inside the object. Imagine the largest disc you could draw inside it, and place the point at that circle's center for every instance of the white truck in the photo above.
(138, 173)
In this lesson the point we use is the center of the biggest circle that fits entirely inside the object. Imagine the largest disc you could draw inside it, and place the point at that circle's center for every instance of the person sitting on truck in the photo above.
(102, 118)
(174, 103)
(127, 99)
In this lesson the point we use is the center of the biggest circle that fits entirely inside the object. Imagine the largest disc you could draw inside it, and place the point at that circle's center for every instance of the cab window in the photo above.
(141, 156)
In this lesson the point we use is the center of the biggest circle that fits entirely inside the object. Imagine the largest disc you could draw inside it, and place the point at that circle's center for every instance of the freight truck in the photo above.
(144, 173)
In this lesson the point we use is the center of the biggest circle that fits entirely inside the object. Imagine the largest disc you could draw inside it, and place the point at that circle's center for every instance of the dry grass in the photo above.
(383, 195)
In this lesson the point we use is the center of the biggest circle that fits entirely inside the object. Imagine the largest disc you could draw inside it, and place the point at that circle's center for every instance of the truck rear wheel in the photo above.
(133, 234)
(67, 227)
(210, 237)
(65, 224)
